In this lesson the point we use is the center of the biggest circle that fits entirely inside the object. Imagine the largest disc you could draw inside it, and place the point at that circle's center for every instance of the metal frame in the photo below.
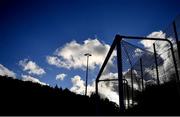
(117, 43)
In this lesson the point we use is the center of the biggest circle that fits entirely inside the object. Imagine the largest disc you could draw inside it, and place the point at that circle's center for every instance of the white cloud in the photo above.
(160, 45)
(61, 76)
(32, 79)
(6, 72)
(78, 85)
(104, 90)
(53, 60)
(149, 43)
(138, 52)
(31, 67)
(72, 54)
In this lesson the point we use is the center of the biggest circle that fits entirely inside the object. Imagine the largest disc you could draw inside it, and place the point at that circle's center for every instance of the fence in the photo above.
(129, 67)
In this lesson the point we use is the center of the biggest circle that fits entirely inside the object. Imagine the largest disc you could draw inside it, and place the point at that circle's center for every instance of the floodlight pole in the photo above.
(88, 55)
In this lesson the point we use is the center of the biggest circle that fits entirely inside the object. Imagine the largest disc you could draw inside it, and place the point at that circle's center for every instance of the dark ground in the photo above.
(27, 98)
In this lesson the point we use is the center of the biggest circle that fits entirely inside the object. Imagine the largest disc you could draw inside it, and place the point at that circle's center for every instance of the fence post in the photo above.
(176, 37)
(127, 91)
(132, 87)
(142, 78)
(155, 57)
(96, 87)
(174, 60)
(120, 75)
(127, 88)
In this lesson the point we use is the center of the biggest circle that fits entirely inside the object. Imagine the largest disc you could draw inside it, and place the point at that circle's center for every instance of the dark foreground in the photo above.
(27, 98)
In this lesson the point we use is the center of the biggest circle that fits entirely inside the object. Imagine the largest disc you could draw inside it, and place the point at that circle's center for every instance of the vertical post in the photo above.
(97, 98)
(86, 76)
(155, 57)
(124, 90)
(176, 37)
(127, 88)
(120, 75)
(96, 87)
(132, 87)
(142, 78)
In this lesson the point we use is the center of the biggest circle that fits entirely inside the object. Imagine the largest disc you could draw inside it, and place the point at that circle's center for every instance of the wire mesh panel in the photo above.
(133, 54)
(172, 32)
(130, 65)
(135, 66)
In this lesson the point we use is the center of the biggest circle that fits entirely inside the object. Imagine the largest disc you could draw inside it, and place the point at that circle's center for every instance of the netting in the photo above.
(141, 66)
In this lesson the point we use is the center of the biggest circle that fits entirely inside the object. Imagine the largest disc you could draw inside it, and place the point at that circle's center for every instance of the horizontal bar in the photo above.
(112, 80)
(108, 80)
(144, 38)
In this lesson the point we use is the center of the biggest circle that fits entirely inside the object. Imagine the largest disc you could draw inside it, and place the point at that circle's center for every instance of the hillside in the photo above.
(26, 98)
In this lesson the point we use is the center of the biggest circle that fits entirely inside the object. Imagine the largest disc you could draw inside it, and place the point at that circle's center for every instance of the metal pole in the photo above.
(176, 37)
(155, 57)
(86, 75)
(132, 87)
(96, 87)
(97, 99)
(126, 90)
(127, 93)
(87, 54)
(120, 75)
(174, 60)
(142, 78)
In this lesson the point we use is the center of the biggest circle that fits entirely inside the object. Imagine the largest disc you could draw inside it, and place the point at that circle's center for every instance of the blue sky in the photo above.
(34, 29)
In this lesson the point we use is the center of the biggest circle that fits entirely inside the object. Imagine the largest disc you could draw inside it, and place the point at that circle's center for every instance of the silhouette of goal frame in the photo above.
(117, 44)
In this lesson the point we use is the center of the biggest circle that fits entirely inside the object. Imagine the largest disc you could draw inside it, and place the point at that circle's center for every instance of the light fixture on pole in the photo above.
(87, 54)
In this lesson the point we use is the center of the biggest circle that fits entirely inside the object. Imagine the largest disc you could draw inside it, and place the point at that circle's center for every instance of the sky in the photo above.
(44, 41)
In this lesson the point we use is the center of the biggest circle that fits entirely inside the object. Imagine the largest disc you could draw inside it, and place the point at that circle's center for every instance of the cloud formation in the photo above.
(61, 76)
(160, 45)
(31, 67)
(32, 79)
(6, 72)
(106, 91)
(148, 44)
(72, 54)
(78, 85)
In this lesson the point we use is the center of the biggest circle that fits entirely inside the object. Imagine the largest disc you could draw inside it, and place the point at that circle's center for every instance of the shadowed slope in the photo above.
(26, 98)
